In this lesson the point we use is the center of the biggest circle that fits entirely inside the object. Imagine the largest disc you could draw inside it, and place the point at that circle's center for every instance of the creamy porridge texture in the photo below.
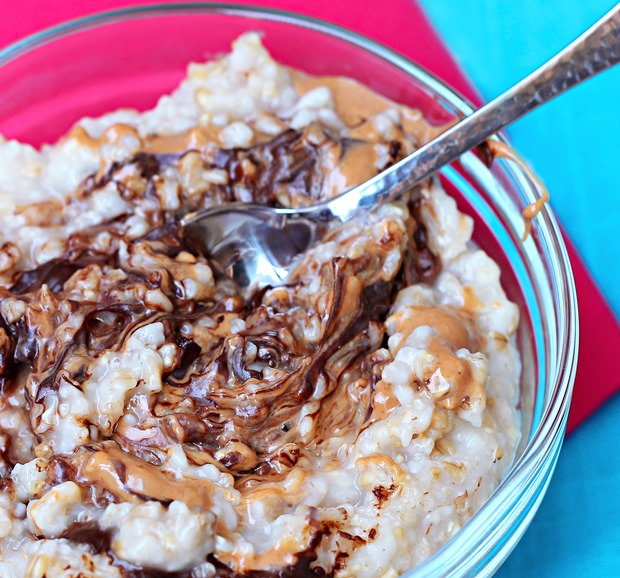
(155, 421)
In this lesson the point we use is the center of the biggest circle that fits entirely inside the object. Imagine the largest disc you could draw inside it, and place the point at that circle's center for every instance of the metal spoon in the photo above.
(259, 245)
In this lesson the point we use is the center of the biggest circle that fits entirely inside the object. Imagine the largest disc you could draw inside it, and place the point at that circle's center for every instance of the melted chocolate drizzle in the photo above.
(214, 378)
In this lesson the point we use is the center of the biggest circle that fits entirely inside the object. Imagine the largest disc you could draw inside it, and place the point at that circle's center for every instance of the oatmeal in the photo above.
(155, 420)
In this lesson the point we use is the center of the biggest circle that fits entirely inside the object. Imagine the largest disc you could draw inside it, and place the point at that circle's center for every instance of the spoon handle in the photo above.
(594, 51)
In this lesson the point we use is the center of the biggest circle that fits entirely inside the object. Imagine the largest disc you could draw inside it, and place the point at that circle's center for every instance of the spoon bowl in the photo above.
(259, 243)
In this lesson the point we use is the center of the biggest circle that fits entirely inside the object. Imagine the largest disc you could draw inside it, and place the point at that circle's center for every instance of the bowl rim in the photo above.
(549, 432)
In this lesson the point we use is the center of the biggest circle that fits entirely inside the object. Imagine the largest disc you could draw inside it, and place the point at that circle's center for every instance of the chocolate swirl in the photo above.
(254, 401)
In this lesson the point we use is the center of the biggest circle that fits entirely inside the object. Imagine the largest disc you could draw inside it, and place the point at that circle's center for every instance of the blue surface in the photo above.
(573, 143)
(576, 532)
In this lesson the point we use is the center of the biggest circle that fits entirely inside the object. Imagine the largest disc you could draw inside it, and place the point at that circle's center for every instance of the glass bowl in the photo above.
(128, 58)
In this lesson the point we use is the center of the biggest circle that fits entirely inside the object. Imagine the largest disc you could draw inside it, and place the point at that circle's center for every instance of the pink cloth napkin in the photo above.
(401, 25)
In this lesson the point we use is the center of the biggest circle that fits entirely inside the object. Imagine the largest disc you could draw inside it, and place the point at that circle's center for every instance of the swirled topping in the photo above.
(155, 420)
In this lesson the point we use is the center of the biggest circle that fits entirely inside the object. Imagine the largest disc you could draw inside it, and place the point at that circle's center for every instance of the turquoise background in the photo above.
(573, 143)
